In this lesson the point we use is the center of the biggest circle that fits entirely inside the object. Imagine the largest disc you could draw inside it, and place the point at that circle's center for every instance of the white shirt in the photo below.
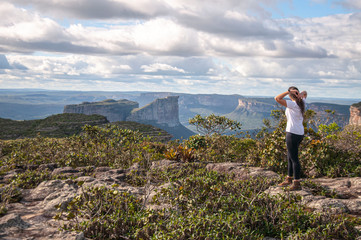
(294, 118)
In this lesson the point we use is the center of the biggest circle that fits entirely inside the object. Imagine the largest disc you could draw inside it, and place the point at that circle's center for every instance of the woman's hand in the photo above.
(295, 94)
(303, 95)
(294, 91)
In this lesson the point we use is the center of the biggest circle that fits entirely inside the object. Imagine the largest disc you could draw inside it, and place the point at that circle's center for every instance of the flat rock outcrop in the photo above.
(240, 171)
(346, 195)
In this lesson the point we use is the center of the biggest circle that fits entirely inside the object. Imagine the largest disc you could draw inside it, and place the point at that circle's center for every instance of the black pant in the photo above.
(293, 142)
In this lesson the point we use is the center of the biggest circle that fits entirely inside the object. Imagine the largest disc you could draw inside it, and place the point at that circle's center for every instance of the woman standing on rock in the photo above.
(295, 109)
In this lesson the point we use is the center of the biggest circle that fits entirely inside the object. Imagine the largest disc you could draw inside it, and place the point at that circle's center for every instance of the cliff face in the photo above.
(214, 103)
(111, 109)
(163, 111)
(251, 113)
(355, 114)
(254, 106)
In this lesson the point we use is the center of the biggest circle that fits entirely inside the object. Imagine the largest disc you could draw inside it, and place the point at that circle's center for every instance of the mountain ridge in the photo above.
(189, 104)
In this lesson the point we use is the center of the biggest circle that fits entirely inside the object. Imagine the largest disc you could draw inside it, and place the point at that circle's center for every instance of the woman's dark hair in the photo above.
(298, 100)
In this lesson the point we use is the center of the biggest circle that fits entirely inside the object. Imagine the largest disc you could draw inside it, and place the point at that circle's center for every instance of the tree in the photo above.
(214, 124)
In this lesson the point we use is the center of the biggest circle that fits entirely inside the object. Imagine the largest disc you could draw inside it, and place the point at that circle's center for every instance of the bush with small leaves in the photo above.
(109, 146)
(214, 124)
(196, 142)
(222, 148)
(31, 179)
(8, 194)
(103, 213)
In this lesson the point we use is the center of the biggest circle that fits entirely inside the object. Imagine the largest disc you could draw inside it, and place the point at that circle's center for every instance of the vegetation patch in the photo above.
(197, 203)
(60, 125)
(203, 205)
(8, 194)
(317, 189)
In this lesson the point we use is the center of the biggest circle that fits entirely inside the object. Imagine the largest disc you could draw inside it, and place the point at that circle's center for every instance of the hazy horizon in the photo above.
(311, 99)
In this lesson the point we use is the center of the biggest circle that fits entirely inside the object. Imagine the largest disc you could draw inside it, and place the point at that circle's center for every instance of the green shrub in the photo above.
(108, 146)
(325, 160)
(31, 179)
(213, 124)
(196, 142)
(221, 148)
(349, 139)
(103, 213)
(271, 149)
(137, 178)
(8, 194)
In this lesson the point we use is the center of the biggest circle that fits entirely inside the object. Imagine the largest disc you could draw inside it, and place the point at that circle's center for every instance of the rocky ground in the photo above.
(31, 218)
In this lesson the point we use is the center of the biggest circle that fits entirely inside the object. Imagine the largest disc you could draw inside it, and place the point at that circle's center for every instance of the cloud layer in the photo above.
(221, 46)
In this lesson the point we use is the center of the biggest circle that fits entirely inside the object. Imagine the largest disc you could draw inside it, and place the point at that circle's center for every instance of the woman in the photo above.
(295, 109)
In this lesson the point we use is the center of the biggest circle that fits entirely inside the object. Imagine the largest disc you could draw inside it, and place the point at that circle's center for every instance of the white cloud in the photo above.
(22, 31)
(231, 33)
(140, 9)
(157, 67)
(297, 68)
(351, 4)
(94, 9)
(162, 36)
(336, 34)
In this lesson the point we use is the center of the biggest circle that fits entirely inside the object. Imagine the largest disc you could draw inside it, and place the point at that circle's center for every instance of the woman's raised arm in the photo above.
(280, 100)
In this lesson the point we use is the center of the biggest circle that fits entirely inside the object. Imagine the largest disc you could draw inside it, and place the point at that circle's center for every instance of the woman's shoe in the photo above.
(295, 186)
(286, 182)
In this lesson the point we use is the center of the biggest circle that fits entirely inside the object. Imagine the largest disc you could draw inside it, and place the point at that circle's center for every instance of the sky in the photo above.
(247, 47)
